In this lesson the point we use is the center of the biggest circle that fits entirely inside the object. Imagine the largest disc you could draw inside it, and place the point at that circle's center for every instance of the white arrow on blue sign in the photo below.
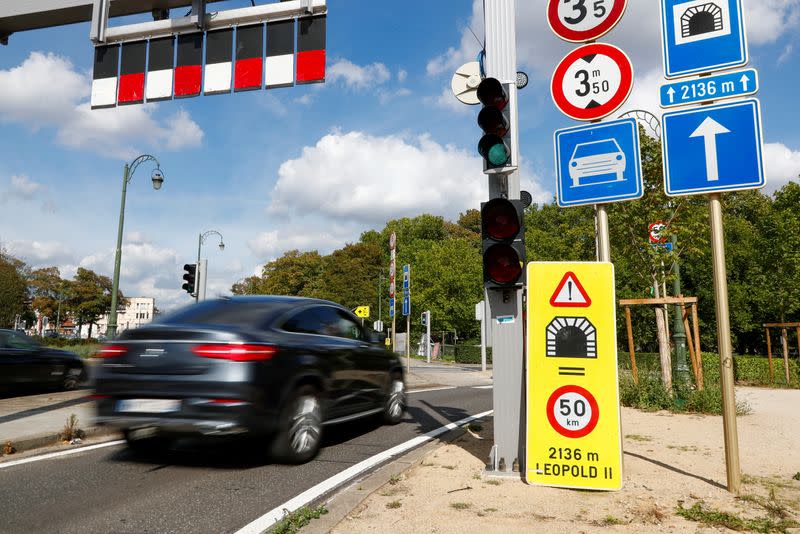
(702, 36)
(406, 306)
(598, 163)
(391, 307)
(713, 148)
(719, 87)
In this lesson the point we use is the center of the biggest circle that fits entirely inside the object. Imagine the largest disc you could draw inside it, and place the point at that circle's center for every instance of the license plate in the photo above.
(148, 405)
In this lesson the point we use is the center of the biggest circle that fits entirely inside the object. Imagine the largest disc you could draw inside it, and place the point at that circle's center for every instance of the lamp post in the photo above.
(158, 179)
(200, 241)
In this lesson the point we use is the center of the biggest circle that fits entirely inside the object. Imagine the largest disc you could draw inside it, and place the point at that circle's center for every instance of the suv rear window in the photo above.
(223, 312)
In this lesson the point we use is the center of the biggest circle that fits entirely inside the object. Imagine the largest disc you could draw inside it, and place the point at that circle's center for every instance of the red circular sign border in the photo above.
(551, 403)
(587, 35)
(626, 69)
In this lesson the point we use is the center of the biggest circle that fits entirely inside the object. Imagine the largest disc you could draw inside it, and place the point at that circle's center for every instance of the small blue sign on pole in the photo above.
(391, 307)
(713, 148)
(719, 87)
(598, 163)
(406, 306)
(701, 36)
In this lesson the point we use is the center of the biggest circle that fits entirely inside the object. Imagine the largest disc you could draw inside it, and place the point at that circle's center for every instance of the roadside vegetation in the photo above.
(294, 521)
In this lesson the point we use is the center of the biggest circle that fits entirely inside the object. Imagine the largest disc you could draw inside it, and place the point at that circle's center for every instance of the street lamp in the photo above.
(200, 241)
(157, 176)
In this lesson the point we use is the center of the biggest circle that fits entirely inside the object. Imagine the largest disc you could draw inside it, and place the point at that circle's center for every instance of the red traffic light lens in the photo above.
(500, 219)
(491, 93)
(501, 263)
(492, 121)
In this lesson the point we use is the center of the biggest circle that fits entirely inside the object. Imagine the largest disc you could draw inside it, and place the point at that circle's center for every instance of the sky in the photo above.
(307, 167)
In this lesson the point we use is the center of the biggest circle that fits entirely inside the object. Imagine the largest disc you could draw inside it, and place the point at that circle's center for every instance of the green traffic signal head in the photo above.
(494, 150)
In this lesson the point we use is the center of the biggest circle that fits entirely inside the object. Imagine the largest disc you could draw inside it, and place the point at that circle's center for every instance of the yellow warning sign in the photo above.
(362, 311)
(573, 426)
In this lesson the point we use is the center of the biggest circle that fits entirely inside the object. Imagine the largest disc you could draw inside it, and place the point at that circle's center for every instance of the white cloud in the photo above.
(272, 244)
(356, 177)
(781, 164)
(768, 20)
(446, 100)
(42, 253)
(30, 97)
(402, 74)
(23, 187)
(358, 77)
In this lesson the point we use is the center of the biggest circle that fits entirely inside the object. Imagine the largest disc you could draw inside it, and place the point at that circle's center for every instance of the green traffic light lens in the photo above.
(498, 155)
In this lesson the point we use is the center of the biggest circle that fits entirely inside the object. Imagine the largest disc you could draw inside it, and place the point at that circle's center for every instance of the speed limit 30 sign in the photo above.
(573, 425)
(592, 81)
(579, 21)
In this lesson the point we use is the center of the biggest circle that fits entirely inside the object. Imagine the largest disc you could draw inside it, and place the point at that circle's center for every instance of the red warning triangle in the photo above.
(570, 293)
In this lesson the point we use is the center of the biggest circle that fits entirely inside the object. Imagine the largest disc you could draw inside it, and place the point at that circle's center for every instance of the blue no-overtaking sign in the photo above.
(713, 148)
(701, 36)
(598, 163)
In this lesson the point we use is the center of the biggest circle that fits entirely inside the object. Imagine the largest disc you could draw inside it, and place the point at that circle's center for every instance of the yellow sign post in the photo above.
(573, 424)
(363, 312)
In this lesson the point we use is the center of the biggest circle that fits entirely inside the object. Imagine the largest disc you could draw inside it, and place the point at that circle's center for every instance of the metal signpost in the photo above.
(712, 148)
(407, 310)
(574, 438)
(598, 163)
(591, 82)
(392, 287)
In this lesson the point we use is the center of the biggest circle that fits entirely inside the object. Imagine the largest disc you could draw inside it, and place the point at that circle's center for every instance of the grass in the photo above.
(450, 467)
(460, 505)
(716, 518)
(393, 504)
(651, 395)
(294, 521)
(609, 520)
(71, 430)
(796, 476)
(493, 482)
(638, 437)
(395, 479)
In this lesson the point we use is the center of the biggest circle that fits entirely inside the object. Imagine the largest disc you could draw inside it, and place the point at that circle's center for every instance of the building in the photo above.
(138, 312)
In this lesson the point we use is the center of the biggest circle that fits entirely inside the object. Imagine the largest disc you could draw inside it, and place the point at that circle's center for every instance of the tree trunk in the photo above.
(90, 329)
(663, 342)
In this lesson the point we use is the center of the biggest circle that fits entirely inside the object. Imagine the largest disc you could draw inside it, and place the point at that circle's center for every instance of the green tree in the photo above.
(47, 289)
(89, 297)
(13, 289)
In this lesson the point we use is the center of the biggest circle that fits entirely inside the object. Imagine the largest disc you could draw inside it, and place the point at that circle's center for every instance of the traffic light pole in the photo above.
(603, 241)
(505, 306)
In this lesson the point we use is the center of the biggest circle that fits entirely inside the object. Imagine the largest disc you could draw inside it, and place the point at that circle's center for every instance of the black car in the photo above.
(274, 366)
(25, 363)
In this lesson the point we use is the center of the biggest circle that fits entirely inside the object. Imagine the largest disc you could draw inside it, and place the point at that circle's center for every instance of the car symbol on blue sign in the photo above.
(598, 163)
(713, 148)
(701, 36)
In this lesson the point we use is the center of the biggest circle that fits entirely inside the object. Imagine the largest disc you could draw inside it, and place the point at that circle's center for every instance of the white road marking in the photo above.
(482, 387)
(276, 514)
(51, 455)
(431, 389)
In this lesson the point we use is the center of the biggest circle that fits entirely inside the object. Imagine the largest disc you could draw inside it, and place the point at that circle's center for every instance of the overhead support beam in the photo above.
(22, 15)
(220, 19)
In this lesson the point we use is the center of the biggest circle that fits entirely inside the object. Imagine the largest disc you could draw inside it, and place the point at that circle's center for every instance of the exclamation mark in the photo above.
(569, 289)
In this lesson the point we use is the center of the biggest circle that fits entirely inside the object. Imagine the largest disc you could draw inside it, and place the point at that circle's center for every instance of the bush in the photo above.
(471, 354)
(651, 395)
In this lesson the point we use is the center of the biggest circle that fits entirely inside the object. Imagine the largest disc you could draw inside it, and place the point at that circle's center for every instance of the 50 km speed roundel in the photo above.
(572, 411)
(592, 81)
(579, 21)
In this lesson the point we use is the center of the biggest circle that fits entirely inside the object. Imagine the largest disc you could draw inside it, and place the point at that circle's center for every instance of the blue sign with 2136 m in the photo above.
(719, 87)
(598, 163)
(713, 148)
(701, 36)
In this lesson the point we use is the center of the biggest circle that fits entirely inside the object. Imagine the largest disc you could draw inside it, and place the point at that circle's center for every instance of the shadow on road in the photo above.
(676, 469)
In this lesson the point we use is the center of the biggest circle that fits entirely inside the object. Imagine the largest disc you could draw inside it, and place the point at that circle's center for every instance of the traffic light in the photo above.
(495, 121)
(190, 285)
(503, 243)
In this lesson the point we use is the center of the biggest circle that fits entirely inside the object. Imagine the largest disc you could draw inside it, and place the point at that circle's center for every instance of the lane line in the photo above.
(482, 387)
(431, 389)
(51, 455)
(276, 514)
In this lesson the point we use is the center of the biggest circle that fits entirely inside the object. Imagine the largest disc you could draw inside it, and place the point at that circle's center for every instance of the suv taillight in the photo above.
(236, 352)
(112, 351)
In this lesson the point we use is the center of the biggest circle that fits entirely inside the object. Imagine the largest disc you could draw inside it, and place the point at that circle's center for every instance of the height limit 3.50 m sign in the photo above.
(592, 81)
(579, 21)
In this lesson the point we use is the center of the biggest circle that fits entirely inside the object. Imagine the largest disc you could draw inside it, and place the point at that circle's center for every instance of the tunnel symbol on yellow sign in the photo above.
(571, 337)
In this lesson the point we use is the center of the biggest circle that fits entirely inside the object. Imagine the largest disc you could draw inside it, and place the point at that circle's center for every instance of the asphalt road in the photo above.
(198, 487)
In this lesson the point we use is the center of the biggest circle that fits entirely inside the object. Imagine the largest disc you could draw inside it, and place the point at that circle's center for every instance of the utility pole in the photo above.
(505, 306)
